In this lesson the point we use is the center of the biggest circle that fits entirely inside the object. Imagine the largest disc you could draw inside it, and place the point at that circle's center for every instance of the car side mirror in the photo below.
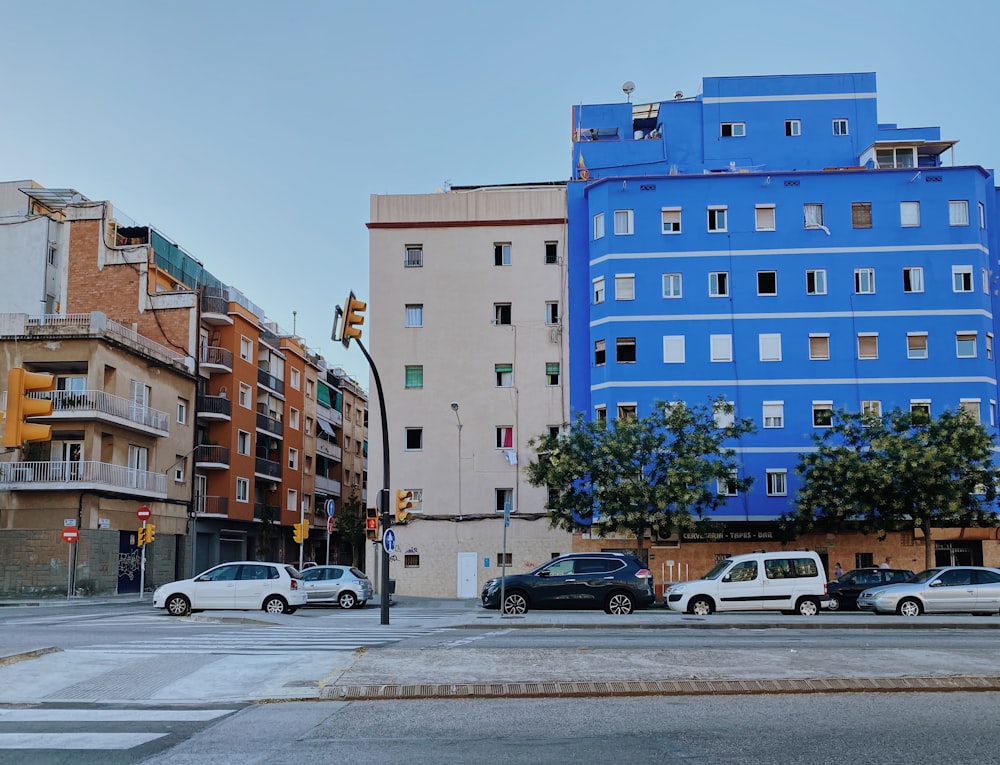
(543, 573)
(936, 583)
(727, 578)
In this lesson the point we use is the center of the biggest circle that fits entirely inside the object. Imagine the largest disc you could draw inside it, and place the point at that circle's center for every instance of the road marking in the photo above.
(72, 741)
(111, 715)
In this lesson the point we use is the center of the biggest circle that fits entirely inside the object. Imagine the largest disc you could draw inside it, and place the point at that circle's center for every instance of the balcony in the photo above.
(267, 469)
(328, 485)
(104, 407)
(271, 382)
(215, 408)
(211, 457)
(215, 307)
(328, 449)
(215, 360)
(81, 476)
(269, 425)
(263, 511)
(213, 505)
(330, 415)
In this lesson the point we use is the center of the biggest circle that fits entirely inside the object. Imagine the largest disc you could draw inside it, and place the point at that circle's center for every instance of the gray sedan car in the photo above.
(347, 586)
(955, 589)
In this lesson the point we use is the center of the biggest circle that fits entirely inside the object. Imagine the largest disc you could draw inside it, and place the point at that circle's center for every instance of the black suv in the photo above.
(843, 592)
(616, 582)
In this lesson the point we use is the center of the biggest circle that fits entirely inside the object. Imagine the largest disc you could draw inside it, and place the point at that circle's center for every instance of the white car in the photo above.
(347, 586)
(241, 585)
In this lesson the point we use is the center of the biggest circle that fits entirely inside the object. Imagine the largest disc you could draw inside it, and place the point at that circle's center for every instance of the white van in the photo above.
(791, 581)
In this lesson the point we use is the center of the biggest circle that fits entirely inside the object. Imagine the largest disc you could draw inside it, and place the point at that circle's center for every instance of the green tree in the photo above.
(657, 473)
(350, 524)
(901, 470)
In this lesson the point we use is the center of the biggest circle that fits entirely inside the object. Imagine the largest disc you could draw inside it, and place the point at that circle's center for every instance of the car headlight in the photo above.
(677, 588)
(492, 585)
(876, 594)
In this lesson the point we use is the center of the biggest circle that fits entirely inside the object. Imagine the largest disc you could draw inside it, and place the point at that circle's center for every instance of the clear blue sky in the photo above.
(252, 133)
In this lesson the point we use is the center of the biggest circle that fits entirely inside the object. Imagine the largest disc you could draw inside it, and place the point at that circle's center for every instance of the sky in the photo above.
(254, 133)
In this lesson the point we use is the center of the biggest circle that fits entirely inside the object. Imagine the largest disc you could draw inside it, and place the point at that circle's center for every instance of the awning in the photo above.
(325, 427)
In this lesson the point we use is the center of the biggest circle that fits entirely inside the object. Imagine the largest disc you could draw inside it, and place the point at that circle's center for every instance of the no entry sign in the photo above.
(142, 513)
(70, 534)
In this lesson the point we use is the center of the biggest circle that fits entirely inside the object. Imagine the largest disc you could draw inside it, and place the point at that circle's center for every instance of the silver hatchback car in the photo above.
(347, 586)
(955, 589)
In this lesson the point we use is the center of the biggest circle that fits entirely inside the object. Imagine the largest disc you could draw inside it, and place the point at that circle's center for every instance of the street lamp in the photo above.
(454, 408)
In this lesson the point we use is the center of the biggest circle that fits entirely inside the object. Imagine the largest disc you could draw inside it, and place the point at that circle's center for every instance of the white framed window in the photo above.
(916, 345)
(989, 346)
(670, 219)
(982, 215)
(813, 215)
(913, 279)
(724, 413)
(309, 426)
(909, 214)
(504, 374)
(601, 413)
(721, 347)
(625, 350)
(413, 256)
(993, 412)
(414, 439)
(822, 414)
(726, 488)
(861, 214)
(718, 284)
(623, 222)
(793, 128)
(840, 127)
(242, 442)
(551, 312)
(628, 410)
(767, 282)
(293, 418)
(864, 281)
(504, 500)
(770, 346)
(501, 314)
(958, 212)
(868, 345)
(179, 464)
(414, 315)
(504, 437)
(764, 217)
(624, 286)
(292, 501)
(598, 290)
(671, 285)
(961, 278)
(899, 156)
(552, 373)
(872, 407)
(920, 408)
(816, 281)
(501, 253)
(599, 226)
(413, 376)
(551, 253)
(295, 379)
(182, 411)
(965, 345)
(599, 353)
(246, 349)
(733, 129)
(774, 414)
(673, 349)
(242, 490)
(971, 406)
(777, 483)
(293, 459)
(819, 346)
(717, 218)
(986, 281)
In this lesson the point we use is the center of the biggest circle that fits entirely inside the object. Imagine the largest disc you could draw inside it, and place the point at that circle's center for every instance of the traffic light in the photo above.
(371, 524)
(142, 536)
(150, 533)
(403, 504)
(353, 319)
(301, 532)
(20, 406)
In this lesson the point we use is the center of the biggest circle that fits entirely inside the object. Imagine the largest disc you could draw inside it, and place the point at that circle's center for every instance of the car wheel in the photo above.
(178, 605)
(347, 599)
(276, 605)
(808, 607)
(620, 604)
(701, 606)
(515, 603)
(909, 607)
(833, 603)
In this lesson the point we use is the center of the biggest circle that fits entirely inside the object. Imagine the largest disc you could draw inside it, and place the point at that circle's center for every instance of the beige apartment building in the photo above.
(467, 328)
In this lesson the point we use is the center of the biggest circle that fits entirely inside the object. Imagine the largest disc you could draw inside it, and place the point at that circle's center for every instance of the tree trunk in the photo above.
(928, 545)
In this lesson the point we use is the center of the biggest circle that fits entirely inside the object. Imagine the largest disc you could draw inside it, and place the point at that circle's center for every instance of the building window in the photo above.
(717, 219)
(819, 347)
(414, 256)
(293, 459)
(295, 379)
(505, 560)
(958, 212)
(623, 222)
(986, 281)
(501, 254)
(293, 418)
(504, 375)
(598, 290)
(864, 281)
(552, 312)
(414, 315)
(867, 345)
(724, 414)
(961, 278)
(822, 412)
(309, 426)
(309, 388)
(920, 409)
(246, 349)
(414, 439)
(625, 350)
(900, 156)
(552, 373)
(671, 285)
(727, 488)
(764, 217)
(971, 407)
(767, 282)
(909, 214)
(913, 279)
(182, 411)
(242, 442)
(627, 411)
(411, 560)
(505, 437)
(551, 253)
(916, 345)
(774, 414)
(770, 346)
(242, 490)
(989, 346)
(861, 214)
(414, 376)
(777, 483)
(871, 407)
(993, 412)
(670, 219)
(599, 355)
(734, 129)
(601, 413)
(504, 500)
(292, 501)
(721, 347)
(673, 349)
(813, 214)
(982, 215)
(501, 313)
(179, 462)
(244, 396)
(625, 287)
(840, 127)
(599, 226)
(718, 284)
(965, 345)
(816, 282)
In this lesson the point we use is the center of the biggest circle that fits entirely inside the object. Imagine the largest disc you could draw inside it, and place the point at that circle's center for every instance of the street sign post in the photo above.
(70, 534)
(389, 541)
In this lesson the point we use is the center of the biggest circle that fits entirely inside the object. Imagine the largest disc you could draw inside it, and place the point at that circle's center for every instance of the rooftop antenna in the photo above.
(627, 87)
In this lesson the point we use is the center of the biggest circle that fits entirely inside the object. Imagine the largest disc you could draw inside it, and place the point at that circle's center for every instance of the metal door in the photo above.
(129, 562)
(468, 586)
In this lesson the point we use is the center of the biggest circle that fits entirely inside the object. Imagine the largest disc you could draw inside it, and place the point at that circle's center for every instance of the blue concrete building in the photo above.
(771, 241)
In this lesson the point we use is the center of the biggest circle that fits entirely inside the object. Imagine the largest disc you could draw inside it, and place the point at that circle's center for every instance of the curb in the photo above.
(14, 658)
(728, 625)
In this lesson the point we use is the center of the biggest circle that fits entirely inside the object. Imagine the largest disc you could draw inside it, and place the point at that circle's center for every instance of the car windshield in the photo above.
(293, 572)
(717, 570)
(358, 573)
(925, 576)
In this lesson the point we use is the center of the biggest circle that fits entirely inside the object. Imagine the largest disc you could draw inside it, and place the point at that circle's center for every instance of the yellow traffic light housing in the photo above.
(20, 406)
(403, 504)
(300, 532)
(142, 536)
(150, 533)
(353, 319)
(371, 524)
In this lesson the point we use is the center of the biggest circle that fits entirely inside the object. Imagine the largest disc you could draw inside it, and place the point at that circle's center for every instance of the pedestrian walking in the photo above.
(887, 563)
(837, 571)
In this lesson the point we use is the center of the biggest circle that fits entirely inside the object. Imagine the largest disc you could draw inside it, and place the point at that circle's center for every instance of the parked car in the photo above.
(844, 590)
(345, 585)
(242, 585)
(790, 581)
(957, 589)
(616, 582)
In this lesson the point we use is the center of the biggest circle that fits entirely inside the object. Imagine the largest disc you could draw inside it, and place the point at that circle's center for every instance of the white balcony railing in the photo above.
(77, 475)
(88, 403)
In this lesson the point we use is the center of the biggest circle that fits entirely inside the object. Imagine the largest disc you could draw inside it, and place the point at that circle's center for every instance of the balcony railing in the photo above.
(211, 454)
(213, 505)
(270, 381)
(267, 468)
(330, 414)
(262, 510)
(214, 407)
(329, 485)
(214, 356)
(67, 404)
(269, 424)
(214, 304)
(328, 449)
(76, 476)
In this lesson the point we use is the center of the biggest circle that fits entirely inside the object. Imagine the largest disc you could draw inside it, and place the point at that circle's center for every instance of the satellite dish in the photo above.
(628, 87)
